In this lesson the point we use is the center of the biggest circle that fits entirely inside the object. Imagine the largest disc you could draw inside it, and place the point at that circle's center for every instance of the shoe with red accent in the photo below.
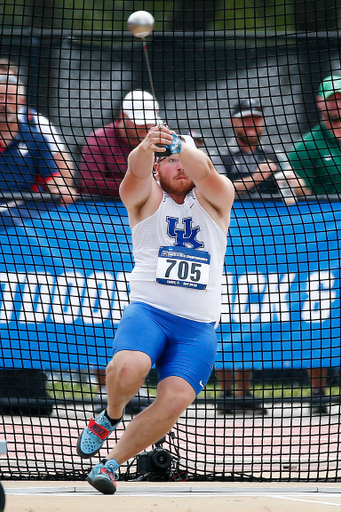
(103, 476)
(93, 436)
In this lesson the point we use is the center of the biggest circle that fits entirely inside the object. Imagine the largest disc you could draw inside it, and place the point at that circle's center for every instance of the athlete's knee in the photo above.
(128, 367)
(179, 404)
(176, 394)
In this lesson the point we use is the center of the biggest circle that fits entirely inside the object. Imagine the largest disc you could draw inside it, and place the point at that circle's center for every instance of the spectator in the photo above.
(105, 153)
(317, 160)
(49, 133)
(317, 157)
(250, 165)
(104, 164)
(26, 161)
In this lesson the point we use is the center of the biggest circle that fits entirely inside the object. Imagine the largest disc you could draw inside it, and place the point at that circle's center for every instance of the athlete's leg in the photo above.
(125, 375)
(174, 396)
(138, 342)
(138, 331)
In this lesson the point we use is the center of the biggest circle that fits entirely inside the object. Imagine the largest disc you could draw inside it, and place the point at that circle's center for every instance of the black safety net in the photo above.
(257, 85)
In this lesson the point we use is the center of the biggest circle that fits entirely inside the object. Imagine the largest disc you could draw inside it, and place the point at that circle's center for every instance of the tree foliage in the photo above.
(176, 15)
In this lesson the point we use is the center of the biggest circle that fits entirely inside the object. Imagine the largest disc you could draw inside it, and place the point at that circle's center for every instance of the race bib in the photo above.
(181, 266)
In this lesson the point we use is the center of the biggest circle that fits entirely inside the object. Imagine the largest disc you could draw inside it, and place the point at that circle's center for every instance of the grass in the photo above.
(269, 390)
(68, 390)
(60, 390)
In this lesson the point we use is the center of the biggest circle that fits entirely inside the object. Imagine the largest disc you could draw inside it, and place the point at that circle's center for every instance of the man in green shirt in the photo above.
(317, 157)
(317, 161)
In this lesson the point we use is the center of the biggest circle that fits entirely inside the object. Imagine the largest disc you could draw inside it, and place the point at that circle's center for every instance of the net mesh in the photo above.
(271, 407)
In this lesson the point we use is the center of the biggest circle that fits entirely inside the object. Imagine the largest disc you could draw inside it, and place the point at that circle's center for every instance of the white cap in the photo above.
(189, 140)
(141, 108)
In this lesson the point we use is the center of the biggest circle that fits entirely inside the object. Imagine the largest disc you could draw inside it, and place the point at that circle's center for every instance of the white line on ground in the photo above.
(81, 492)
(294, 498)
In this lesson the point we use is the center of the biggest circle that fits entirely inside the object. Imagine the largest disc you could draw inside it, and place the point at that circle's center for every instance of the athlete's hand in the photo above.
(157, 137)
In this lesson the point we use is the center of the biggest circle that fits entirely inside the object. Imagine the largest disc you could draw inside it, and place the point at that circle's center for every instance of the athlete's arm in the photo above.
(138, 184)
(215, 188)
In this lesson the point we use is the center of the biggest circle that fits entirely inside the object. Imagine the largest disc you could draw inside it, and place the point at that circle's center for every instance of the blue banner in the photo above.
(281, 295)
(64, 273)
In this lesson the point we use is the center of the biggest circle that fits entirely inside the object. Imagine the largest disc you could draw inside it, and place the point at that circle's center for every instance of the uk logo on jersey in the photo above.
(184, 236)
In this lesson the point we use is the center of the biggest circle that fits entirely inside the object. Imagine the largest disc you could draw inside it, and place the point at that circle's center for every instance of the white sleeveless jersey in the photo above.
(179, 254)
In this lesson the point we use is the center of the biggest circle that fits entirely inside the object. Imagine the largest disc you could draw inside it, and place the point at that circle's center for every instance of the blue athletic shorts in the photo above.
(177, 346)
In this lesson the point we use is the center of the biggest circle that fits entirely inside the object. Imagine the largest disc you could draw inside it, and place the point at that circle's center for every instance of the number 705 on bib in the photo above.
(181, 266)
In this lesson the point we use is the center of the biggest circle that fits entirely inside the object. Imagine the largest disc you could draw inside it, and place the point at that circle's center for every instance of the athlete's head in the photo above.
(11, 98)
(171, 175)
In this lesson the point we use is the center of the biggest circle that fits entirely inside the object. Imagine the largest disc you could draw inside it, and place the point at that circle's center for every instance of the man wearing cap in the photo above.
(105, 153)
(317, 157)
(179, 222)
(250, 165)
(104, 164)
(317, 160)
(27, 160)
